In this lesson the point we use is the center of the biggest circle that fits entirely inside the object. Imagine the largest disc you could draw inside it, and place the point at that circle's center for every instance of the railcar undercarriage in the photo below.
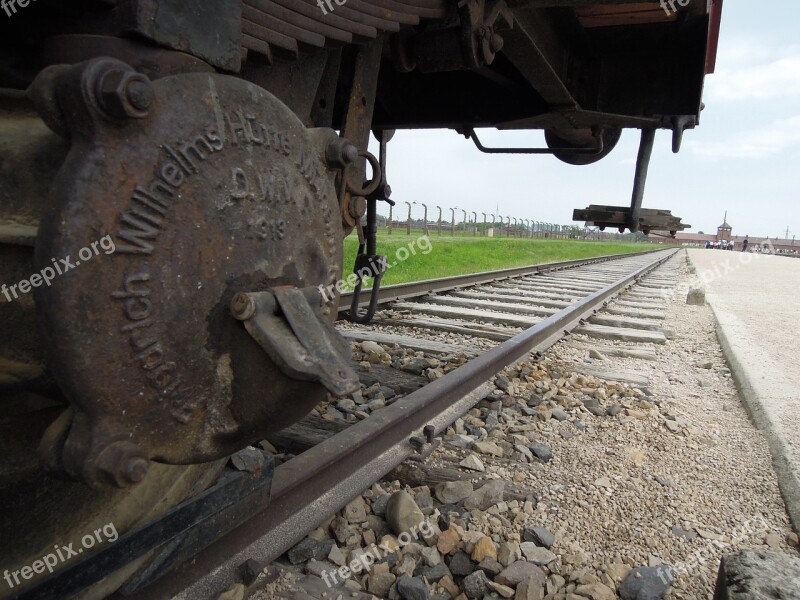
(220, 149)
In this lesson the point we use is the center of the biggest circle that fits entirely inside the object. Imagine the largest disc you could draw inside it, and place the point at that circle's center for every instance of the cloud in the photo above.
(777, 79)
(741, 50)
(773, 140)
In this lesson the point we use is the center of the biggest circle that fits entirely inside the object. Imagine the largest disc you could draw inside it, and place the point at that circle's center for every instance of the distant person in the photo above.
(745, 243)
(731, 244)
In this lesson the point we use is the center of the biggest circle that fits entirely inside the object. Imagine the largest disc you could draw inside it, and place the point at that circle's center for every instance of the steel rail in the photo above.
(413, 289)
(312, 486)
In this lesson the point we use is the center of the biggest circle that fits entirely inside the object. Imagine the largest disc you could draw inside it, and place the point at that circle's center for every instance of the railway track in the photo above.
(128, 383)
(481, 324)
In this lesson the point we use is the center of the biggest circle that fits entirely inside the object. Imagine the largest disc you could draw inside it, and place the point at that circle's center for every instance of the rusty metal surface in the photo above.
(169, 539)
(618, 217)
(208, 186)
(348, 11)
(356, 127)
(640, 179)
(208, 31)
(359, 31)
(315, 484)
(171, 23)
(555, 73)
(256, 16)
(304, 345)
(713, 36)
(24, 141)
(185, 381)
(387, 9)
(300, 20)
(563, 77)
(282, 24)
(571, 153)
(150, 60)
(277, 40)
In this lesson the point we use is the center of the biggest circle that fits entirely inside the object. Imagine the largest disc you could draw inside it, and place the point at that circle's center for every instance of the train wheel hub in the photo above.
(208, 187)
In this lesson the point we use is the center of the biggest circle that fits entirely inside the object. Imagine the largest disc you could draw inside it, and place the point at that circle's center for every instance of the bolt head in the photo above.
(125, 94)
(140, 94)
(242, 306)
(121, 464)
(358, 207)
(340, 153)
(496, 43)
(135, 470)
(349, 153)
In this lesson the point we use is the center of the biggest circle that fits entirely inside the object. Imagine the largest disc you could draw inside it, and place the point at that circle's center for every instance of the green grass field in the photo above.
(413, 258)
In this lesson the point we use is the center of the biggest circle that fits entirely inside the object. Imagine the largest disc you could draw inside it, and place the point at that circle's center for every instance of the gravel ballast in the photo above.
(587, 488)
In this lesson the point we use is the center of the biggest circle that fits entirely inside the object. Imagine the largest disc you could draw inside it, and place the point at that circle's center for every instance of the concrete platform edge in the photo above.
(788, 479)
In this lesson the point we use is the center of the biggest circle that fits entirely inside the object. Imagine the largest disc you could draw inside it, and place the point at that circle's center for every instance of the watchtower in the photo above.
(724, 230)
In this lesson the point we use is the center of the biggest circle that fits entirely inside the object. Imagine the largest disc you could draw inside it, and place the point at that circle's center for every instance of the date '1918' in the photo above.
(266, 229)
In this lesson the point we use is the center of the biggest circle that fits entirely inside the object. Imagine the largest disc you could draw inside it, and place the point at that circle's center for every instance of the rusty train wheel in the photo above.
(96, 429)
(42, 511)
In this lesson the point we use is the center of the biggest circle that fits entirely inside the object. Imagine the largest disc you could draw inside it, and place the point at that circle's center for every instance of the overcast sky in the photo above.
(743, 158)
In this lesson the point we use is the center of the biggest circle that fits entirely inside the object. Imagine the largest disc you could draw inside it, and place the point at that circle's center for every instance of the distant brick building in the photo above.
(725, 232)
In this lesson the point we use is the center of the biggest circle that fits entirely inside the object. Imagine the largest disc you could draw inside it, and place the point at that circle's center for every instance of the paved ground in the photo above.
(755, 300)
